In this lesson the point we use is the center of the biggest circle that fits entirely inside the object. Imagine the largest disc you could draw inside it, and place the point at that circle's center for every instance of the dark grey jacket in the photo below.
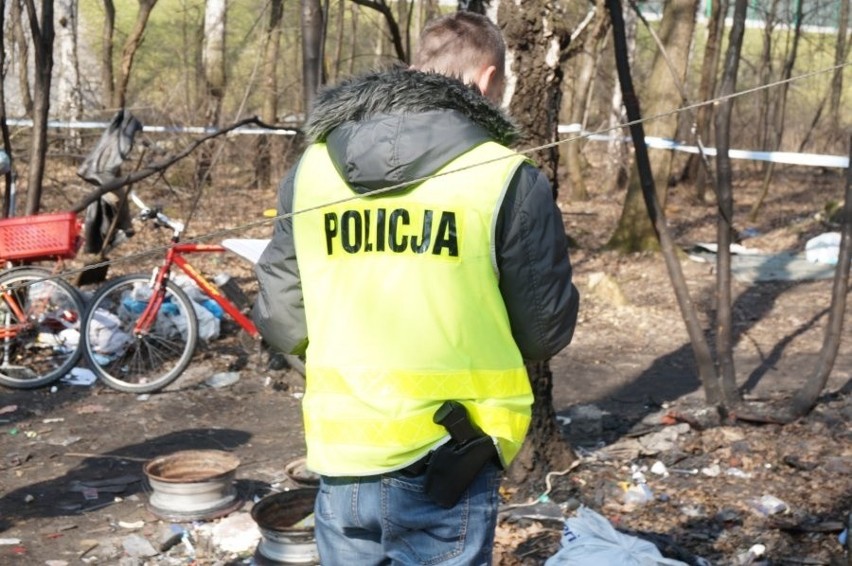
(393, 126)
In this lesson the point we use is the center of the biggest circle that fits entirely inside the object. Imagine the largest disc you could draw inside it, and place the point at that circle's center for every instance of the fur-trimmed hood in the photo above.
(388, 127)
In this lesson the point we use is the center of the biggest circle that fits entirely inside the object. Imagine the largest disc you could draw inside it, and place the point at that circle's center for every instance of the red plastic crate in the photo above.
(41, 236)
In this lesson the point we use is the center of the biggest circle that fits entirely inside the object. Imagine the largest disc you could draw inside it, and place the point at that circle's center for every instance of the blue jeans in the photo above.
(388, 520)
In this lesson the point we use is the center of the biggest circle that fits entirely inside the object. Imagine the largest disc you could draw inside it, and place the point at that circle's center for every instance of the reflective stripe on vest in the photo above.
(404, 312)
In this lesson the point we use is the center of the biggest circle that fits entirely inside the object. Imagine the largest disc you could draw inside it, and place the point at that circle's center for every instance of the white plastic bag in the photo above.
(590, 540)
(824, 248)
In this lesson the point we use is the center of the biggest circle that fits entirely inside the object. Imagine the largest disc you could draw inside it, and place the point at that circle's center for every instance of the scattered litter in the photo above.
(236, 533)
(80, 376)
(660, 469)
(824, 248)
(91, 409)
(737, 473)
(53, 420)
(29, 498)
(750, 266)
(143, 397)
(170, 535)
(638, 494)
(223, 379)
(90, 493)
(768, 505)
(138, 547)
(65, 441)
(8, 409)
(9, 541)
(133, 525)
(662, 440)
(589, 538)
(712, 471)
(56, 563)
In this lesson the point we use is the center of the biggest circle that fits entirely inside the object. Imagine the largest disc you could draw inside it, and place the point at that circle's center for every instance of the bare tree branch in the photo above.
(155, 168)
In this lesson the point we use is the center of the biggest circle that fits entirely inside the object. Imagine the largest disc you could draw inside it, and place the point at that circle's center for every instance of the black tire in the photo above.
(131, 362)
(43, 345)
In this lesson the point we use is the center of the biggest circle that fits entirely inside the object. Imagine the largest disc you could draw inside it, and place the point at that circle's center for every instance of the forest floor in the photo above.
(73, 491)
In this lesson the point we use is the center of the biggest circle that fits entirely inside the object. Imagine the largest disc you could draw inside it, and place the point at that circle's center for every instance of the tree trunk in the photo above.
(807, 396)
(634, 231)
(478, 6)
(780, 110)
(312, 26)
(128, 52)
(840, 55)
(536, 39)
(701, 350)
(269, 109)
(618, 151)
(724, 340)
(4, 127)
(69, 88)
(22, 45)
(586, 62)
(338, 44)
(353, 48)
(41, 30)
(765, 72)
(215, 80)
(696, 168)
(107, 35)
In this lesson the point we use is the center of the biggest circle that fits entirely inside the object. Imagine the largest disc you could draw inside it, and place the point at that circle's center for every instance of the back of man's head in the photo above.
(461, 45)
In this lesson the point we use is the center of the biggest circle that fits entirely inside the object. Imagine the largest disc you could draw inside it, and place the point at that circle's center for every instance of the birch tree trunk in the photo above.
(22, 46)
(68, 87)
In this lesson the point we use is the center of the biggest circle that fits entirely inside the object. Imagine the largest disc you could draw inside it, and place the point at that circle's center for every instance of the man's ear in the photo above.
(485, 79)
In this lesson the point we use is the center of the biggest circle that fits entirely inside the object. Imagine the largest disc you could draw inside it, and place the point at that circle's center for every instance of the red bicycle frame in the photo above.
(175, 256)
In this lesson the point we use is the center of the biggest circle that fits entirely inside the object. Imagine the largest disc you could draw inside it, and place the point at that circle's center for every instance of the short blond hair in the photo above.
(459, 45)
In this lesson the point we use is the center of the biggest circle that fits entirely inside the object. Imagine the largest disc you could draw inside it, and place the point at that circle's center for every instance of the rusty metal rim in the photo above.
(217, 463)
(203, 515)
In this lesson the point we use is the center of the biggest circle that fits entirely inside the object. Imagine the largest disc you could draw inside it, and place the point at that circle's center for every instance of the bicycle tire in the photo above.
(131, 362)
(49, 344)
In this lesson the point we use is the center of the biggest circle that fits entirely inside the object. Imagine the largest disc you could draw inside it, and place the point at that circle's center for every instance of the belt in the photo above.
(416, 468)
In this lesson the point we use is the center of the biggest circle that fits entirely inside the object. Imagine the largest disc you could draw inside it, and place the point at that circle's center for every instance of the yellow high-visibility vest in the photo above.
(404, 312)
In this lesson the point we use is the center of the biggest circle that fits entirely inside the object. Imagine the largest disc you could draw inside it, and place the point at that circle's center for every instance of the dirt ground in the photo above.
(72, 488)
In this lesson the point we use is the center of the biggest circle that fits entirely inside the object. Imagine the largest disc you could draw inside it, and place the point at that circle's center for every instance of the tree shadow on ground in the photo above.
(117, 472)
(675, 375)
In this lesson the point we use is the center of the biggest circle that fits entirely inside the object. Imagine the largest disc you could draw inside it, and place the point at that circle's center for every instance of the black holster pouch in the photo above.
(453, 466)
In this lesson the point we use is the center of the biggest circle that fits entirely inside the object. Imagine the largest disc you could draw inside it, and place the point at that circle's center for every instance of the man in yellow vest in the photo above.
(424, 262)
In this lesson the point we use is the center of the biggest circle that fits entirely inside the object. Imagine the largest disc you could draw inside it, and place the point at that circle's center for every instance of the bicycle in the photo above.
(141, 330)
(40, 313)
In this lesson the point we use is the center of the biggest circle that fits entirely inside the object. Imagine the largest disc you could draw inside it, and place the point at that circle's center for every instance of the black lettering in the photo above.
(330, 230)
(368, 245)
(398, 245)
(422, 246)
(447, 237)
(350, 231)
(380, 230)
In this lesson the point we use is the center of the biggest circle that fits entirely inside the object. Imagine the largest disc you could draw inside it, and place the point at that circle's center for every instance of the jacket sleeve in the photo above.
(534, 267)
(279, 310)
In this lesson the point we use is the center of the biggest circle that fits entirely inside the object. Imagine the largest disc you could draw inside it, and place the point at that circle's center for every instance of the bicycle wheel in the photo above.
(39, 328)
(145, 361)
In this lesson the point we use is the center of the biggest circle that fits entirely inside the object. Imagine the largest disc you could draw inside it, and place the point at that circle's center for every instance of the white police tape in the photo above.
(790, 158)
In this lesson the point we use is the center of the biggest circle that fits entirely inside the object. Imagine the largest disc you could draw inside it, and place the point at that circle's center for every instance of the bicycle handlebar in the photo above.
(156, 214)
